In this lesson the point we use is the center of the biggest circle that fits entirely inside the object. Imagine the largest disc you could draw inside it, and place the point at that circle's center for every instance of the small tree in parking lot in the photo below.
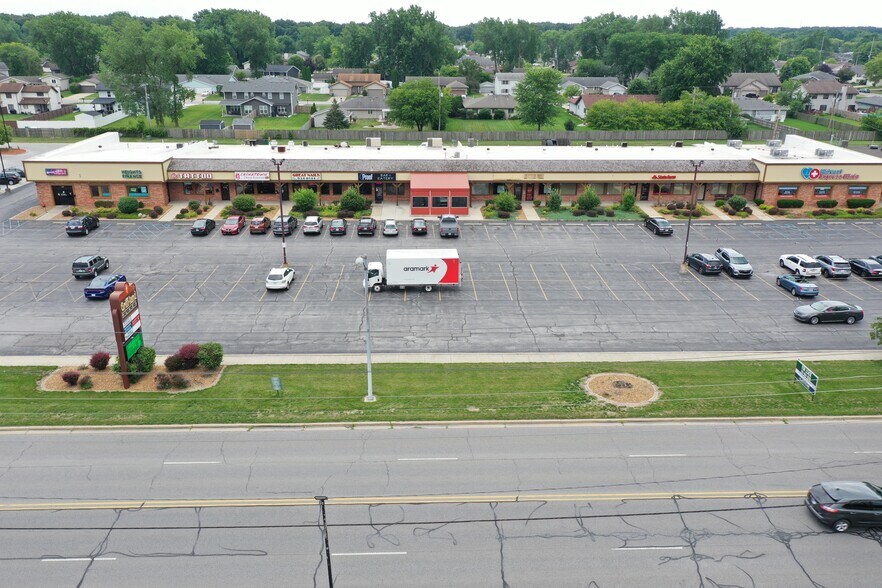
(304, 200)
(876, 330)
(554, 201)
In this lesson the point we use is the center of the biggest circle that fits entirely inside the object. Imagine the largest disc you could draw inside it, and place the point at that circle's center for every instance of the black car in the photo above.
(81, 225)
(658, 225)
(9, 178)
(845, 504)
(828, 311)
(366, 226)
(17, 171)
(705, 263)
(284, 226)
(418, 226)
(866, 268)
(202, 227)
(338, 227)
(448, 226)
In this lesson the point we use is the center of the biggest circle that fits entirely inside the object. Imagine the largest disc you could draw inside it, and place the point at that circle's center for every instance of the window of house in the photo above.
(568, 189)
(247, 109)
(504, 82)
(264, 110)
(439, 201)
(460, 201)
(139, 191)
(100, 191)
(420, 201)
(282, 109)
(481, 188)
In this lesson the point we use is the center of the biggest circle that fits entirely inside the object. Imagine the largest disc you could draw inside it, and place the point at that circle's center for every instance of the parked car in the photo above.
(390, 228)
(449, 226)
(313, 225)
(366, 226)
(418, 226)
(81, 225)
(202, 227)
(89, 266)
(828, 311)
(846, 504)
(102, 286)
(704, 263)
(798, 263)
(233, 225)
(284, 226)
(259, 225)
(876, 258)
(735, 264)
(17, 171)
(280, 278)
(659, 225)
(833, 266)
(9, 178)
(866, 268)
(797, 285)
(337, 227)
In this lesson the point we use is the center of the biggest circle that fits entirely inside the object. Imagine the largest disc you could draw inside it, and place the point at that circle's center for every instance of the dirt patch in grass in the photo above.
(621, 389)
(110, 381)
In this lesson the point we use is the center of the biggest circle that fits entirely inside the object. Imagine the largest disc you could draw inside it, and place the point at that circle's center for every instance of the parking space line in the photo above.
(743, 288)
(487, 230)
(708, 288)
(776, 288)
(616, 296)
(16, 290)
(54, 289)
(302, 284)
(645, 291)
(28, 283)
(224, 299)
(621, 234)
(579, 294)
(471, 279)
(12, 271)
(665, 278)
(874, 287)
(541, 289)
(566, 232)
(163, 288)
(504, 281)
(202, 284)
(835, 285)
(514, 232)
(340, 277)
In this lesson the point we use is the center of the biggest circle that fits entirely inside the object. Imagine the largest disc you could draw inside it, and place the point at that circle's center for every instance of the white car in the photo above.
(313, 225)
(280, 278)
(801, 265)
(390, 229)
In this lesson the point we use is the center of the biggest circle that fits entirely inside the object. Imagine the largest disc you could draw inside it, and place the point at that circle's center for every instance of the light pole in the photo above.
(146, 102)
(278, 163)
(321, 501)
(362, 261)
(5, 129)
(695, 166)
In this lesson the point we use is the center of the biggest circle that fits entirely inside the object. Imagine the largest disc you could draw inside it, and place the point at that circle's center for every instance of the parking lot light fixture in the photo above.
(693, 198)
(362, 261)
(278, 163)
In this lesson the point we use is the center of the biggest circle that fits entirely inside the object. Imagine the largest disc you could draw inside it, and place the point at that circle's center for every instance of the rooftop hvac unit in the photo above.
(456, 155)
(435, 143)
(678, 143)
(589, 143)
(734, 143)
(305, 143)
(373, 142)
(773, 143)
(780, 153)
(273, 143)
(472, 142)
(624, 144)
(824, 153)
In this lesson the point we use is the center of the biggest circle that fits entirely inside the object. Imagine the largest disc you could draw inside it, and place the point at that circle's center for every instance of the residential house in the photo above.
(778, 64)
(814, 75)
(88, 86)
(456, 86)
(595, 85)
(263, 97)
(106, 102)
(303, 86)
(828, 95)
(485, 88)
(868, 102)
(485, 63)
(365, 107)
(60, 82)
(282, 71)
(505, 83)
(50, 67)
(503, 102)
(751, 85)
(761, 109)
(353, 84)
(203, 84)
(18, 98)
(580, 105)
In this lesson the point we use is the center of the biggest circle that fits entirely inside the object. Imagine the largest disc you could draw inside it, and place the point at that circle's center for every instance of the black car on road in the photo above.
(202, 227)
(81, 225)
(659, 225)
(866, 268)
(705, 263)
(846, 504)
(9, 178)
(418, 226)
(828, 311)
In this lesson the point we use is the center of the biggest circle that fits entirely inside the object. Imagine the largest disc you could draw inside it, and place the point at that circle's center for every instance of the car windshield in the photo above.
(199, 224)
(274, 277)
(337, 223)
(257, 221)
(662, 223)
(821, 306)
(841, 264)
(99, 282)
(739, 259)
(232, 221)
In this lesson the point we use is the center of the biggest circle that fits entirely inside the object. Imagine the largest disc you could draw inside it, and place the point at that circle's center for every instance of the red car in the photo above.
(233, 225)
(259, 225)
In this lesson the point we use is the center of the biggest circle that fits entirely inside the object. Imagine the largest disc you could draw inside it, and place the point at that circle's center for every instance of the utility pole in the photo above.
(146, 102)
(278, 163)
(693, 198)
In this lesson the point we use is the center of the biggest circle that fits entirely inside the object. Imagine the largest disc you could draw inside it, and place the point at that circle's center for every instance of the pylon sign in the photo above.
(126, 317)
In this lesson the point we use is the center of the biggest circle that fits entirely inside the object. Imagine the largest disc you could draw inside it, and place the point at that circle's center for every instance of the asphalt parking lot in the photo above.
(548, 286)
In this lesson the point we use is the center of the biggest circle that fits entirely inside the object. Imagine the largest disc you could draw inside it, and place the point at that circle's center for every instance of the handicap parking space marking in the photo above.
(205, 281)
(233, 287)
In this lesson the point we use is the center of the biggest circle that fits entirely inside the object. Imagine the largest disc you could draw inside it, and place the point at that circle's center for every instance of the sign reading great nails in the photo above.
(305, 177)
(126, 317)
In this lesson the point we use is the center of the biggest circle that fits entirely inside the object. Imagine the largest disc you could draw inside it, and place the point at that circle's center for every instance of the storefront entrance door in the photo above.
(63, 195)
(378, 193)
(225, 191)
(528, 196)
(644, 191)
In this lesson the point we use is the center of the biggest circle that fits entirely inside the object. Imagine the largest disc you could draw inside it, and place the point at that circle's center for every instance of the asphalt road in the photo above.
(549, 286)
(661, 504)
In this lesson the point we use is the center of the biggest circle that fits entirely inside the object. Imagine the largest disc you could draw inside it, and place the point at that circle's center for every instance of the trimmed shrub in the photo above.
(185, 210)
(210, 355)
(243, 202)
(66, 212)
(790, 203)
(104, 204)
(99, 360)
(588, 200)
(140, 364)
(163, 381)
(194, 205)
(578, 212)
(174, 363)
(696, 213)
(127, 205)
(503, 214)
(569, 125)
(554, 201)
(86, 383)
(758, 201)
(737, 202)
(748, 210)
(189, 354)
(352, 200)
(152, 214)
(111, 215)
(179, 382)
(719, 203)
(142, 204)
(304, 200)
(344, 214)
(860, 202)
(773, 210)
(537, 203)
(742, 214)
(820, 212)
(826, 203)
(628, 200)
(731, 211)
(592, 213)
(609, 212)
(505, 201)
(679, 205)
(71, 378)
(158, 209)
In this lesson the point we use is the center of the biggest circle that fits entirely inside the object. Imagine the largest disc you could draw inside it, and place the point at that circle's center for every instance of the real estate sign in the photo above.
(806, 377)
(126, 317)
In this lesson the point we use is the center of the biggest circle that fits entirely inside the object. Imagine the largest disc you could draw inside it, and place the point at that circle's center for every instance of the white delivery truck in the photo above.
(424, 268)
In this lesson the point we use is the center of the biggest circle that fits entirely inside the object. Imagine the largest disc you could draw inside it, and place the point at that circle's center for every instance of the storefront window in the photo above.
(547, 188)
(139, 191)
(617, 188)
(420, 202)
(661, 188)
(394, 189)
(739, 189)
(439, 201)
(718, 189)
(265, 188)
(194, 188)
(100, 191)
(681, 189)
(857, 190)
(787, 190)
(483, 188)
(823, 190)
(460, 201)
(366, 189)
(568, 189)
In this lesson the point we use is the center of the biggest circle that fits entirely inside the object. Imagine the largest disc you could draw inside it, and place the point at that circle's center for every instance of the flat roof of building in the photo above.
(107, 147)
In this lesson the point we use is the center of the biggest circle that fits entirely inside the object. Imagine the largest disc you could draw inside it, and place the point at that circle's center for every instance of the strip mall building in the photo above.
(437, 179)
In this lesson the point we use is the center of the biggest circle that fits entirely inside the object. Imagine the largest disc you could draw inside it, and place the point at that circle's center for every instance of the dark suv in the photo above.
(81, 225)
(284, 226)
(366, 226)
(9, 177)
(89, 266)
(845, 504)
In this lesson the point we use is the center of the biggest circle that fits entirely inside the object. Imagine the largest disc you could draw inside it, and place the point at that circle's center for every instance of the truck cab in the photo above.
(375, 278)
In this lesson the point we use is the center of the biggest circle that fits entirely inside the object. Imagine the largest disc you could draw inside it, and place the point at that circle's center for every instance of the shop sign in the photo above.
(56, 171)
(857, 190)
(302, 177)
(375, 177)
(190, 175)
(663, 177)
(132, 174)
(252, 176)
(126, 318)
(821, 173)
(787, 190)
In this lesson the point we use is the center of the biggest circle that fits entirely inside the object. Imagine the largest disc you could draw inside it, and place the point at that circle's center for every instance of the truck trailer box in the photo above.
(420, 267)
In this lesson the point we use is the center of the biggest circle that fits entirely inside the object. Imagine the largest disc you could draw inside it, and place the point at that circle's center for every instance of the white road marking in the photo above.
(52, 559)
(188, 462)
(428, 458)
(658, 455)
(647, 548)
(372, 553)
(862, 452)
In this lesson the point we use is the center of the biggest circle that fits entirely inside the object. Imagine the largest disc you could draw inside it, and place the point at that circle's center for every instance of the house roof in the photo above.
(104, 100)
(210, 122)
(358, 78)
(828, 87)
(870, 99)
(757, 104)
(437, 80)
(280, 68)
(457, 85)
(738, 80)
(242, 122)
(510, 76)
(33, 100)
(11, 87)
(502, 101)
(3, 65)
(365, 103)
(815, 75)
(32, 88)
(241, 101)
(268, 84)
(592, 82)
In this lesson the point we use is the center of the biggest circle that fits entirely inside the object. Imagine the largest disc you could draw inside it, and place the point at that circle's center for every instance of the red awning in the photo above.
(439, 185)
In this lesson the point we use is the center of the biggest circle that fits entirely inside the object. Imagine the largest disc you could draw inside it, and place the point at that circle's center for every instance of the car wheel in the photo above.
(841, 526)
(825, 273)
(377, 288)
(288, 286)
(781, 262)
(106, 264)
(655, 231)
(793, 291)
(850, 320)
(702, 271)
(814, 320)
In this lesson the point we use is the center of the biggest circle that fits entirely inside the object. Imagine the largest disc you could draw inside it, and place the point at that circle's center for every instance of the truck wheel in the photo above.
(377, 288)
(428, 287)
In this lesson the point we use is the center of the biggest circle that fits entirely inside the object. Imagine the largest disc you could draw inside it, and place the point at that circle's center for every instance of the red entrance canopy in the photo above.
(439, 185)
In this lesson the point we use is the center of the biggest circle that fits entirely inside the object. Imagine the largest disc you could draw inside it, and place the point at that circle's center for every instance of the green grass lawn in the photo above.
(484, 126)
(314, 97)
(191, 116)
(68, 116)
(803, 125)
(326, 393)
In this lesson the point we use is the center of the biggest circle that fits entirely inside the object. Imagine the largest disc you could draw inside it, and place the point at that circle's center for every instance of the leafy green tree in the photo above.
(591, 68)
(753, 51)
(554, 201)
(310, 36)
(5, 135)
(640, 86)
(21, 59)
(70, 40)
(352, 200)
(557, 46)
(628, 200)
(708, 23)
(792, 96)
(588, 199)
(216, 57)
(628, 54)
(416, 104)
(490, 33)
(505, 201)
(10, 31)
(873, 68)
(473, 74)
(844, 74)
(873, 122)
(795, 67)
(571, 91)
(335, 119)
(876, 330)
(410, 42)
(704, 63)
(252, 37)
(593, 34)
(299, 62)
(357, 46)
(304, 200)
(538, 96)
